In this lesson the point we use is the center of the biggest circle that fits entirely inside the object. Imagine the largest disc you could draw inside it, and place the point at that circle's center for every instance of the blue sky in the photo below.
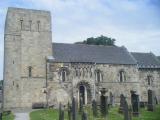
(133, 23)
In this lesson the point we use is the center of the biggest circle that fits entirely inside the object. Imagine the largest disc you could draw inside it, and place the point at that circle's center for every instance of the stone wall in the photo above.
(87, 75)
(27, 43)
(144, 87)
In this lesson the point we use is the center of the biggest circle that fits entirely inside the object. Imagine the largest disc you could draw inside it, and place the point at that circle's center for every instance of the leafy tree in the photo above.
(158, 57)
(101, 40)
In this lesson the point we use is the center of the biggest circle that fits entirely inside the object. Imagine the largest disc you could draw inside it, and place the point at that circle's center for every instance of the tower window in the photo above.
(38, 26)
(21, 22)
(30, 71)
(30, 25)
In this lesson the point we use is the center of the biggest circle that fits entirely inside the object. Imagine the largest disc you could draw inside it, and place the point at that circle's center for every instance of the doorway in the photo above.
(82, 93)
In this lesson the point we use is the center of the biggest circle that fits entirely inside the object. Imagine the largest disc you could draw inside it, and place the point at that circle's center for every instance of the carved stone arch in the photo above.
(88, 93)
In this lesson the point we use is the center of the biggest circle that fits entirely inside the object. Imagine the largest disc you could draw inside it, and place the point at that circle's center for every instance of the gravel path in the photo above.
(21, 116)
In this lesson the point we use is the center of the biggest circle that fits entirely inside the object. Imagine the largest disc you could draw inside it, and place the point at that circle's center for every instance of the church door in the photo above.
(82, 94)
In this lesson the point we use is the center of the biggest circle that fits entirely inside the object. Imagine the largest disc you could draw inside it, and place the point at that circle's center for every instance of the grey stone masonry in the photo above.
(27, 43)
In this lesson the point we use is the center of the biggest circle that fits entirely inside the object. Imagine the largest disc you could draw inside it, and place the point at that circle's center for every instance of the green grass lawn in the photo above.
(49, 114)
(7, 116)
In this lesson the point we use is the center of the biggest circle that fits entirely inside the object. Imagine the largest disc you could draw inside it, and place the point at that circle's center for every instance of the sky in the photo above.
(134, 24)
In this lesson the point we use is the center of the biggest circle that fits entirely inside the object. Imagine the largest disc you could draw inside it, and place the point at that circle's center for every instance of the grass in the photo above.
(49, 114)
(7, 116)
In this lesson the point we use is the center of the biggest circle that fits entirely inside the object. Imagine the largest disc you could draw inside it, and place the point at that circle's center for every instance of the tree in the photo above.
(158, 58)
(102, 40)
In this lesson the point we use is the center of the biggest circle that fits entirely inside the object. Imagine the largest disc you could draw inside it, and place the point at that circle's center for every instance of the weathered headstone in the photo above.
(142, 104)
(81, 105)
(111, 99)
(151, 101)
(94, 108)
(74, 109)
(156, 101)
(130, 113)
(126, 110)
(122, 100)
(0, 115)
(84, 116)
(135, 103)
(104, 103)
(61, 112)
(69, 111)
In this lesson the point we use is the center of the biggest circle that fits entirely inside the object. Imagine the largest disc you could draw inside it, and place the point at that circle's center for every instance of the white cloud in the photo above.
(134, 23)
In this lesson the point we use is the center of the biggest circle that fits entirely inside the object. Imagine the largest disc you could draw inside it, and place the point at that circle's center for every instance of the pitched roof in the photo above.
(146, 60)
(91, 53)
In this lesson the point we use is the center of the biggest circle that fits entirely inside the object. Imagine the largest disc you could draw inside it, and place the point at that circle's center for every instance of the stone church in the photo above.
(39, 72)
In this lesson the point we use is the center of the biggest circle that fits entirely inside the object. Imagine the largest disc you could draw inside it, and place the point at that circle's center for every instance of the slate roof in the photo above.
(146, 60)
(91, 54)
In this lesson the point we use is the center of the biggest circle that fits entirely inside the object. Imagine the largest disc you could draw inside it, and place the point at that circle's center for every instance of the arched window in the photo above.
(122, 77)
(98, 76)
(150, 80)
(63, 74)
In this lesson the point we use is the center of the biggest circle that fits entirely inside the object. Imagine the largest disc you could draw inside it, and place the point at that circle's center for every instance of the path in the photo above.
(21, 116)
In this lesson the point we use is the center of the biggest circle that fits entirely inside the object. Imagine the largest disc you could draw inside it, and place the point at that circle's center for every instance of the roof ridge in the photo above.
(89, 45)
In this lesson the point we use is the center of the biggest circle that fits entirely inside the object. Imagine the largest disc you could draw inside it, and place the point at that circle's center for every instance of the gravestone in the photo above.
(69, 111)
(74, 109)
(135, 103)
(126, 111)
(61, 112)
(151, 101)
(104, 103)
(142, 104)
(122, 100)
(81, 105)
(94, 108)
(84, 116)
(111, 99)
(0, 115)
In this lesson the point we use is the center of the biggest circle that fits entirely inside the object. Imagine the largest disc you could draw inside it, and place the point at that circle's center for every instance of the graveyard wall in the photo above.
(27, 43)
(87, 73)
(144, 87)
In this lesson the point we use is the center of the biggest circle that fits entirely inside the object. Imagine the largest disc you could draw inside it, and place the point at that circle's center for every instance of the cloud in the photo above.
(134, 23)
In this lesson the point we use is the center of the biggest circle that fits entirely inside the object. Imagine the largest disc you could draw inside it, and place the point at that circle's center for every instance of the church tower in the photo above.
(27, 44)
